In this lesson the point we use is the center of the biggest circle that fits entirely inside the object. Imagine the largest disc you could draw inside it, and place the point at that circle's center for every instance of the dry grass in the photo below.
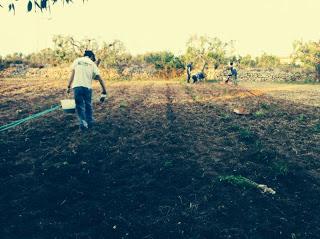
(307, 94)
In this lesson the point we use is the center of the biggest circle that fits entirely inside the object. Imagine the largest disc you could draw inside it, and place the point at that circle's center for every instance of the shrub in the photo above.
(166, 63)
(268, 61)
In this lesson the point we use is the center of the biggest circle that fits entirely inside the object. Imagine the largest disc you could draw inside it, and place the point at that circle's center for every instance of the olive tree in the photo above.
(267, 61)
(67, 48)
(207, 50)
(309, 54)
(114, 55)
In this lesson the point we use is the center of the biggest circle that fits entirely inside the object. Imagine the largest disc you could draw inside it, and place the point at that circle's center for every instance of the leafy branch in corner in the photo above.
(42, 5)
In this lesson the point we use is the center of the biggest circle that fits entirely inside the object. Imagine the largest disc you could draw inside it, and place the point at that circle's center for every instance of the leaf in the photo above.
(44, 4)
(13, 8)
(29, 6)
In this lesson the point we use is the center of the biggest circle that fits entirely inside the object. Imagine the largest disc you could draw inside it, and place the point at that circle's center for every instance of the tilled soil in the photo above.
(153, 165)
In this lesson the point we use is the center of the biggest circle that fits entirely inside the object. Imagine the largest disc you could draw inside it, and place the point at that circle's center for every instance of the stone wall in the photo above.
(264, 75)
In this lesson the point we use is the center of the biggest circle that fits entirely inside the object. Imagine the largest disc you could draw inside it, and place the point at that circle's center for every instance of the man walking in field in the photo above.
(84, 70)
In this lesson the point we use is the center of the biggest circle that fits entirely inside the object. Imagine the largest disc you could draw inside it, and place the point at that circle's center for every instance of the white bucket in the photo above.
(68, 105)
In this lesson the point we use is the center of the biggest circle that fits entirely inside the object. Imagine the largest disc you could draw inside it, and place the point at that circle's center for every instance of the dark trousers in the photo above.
(188, 76)
(82, 96)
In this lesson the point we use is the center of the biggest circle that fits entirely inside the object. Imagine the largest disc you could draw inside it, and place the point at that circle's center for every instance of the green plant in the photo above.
(317, 128)
(248, 61)
(40, 6)
(247, 135)
(308, 53)
(212, 81)
(168, 164)
(123, 104)
(164, 62)
(260, 113)
(308, 80)
(302, 117)
(267, 61)
(226, 117)
(238, 181)
(265, 106)
(246, 183)
(234, 128)
(280, 168)
(204, 49)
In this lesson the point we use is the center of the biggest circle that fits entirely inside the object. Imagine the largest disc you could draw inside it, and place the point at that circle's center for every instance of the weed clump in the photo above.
(238, 181)
(260, 113)
(246, 183)
(247, 136)
(280, 168)
(317, 128)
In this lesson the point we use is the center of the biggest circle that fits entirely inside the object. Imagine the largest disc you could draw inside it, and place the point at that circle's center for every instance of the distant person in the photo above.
(189, 69)
(84, 70)
(233, 75)
(198, 77)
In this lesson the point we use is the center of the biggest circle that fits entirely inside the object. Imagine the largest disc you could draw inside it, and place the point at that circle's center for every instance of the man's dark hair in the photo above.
(231, 63)
(90, 54)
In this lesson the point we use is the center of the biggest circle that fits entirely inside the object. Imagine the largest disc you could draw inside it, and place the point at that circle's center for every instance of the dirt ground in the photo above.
(165, 160)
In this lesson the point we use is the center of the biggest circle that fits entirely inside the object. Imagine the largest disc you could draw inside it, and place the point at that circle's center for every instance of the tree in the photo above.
(266, 61)
(248, 61)
(309, 54)
(164, 62)
(114, 55)
(45, 56)
(36, 5)
(15, 58)
(66, 48)
(207, 50)
(2, 65)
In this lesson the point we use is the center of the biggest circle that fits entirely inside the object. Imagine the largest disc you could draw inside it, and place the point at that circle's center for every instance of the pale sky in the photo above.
(256, 26)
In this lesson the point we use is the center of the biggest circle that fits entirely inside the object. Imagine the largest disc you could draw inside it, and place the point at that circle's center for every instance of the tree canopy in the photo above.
(309, 54)
(207, 50)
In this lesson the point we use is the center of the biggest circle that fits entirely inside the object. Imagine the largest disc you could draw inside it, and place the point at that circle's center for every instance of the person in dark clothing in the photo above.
(198, 77)
(189, 69)
(232, 75)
